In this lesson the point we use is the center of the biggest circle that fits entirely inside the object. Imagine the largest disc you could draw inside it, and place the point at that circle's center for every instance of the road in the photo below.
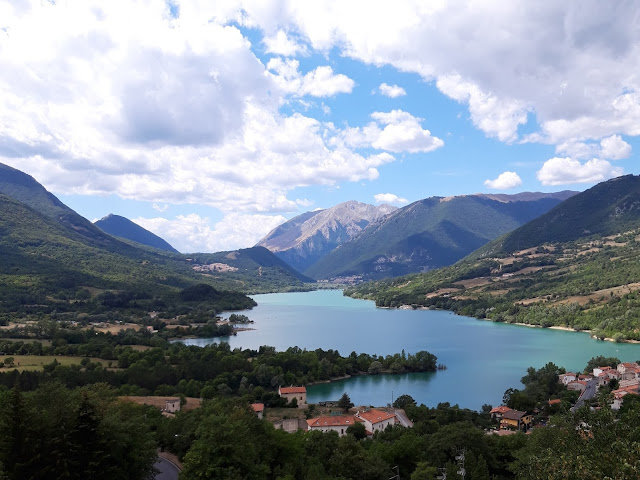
(167, 470)
(402, 417)
(587, 394)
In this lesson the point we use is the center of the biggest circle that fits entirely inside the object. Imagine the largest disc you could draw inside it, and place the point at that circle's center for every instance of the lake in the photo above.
(483, 358)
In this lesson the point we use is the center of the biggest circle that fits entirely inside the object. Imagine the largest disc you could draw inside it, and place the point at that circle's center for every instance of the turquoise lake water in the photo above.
(483, 358)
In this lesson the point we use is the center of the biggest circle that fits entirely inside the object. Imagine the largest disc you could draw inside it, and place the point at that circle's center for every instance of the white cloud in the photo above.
(320, 82)
(121, 99)
(396, 131)
(564, 171)
(392, 91)
(304, 202)
(615, 148)
(390, 198)
(160, 208)
(193, 233)
(497, 117)
(505, 181)
(282, 44)
(571, 66)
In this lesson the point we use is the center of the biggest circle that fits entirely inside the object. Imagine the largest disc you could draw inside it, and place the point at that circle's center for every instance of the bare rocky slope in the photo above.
(430, 233)
(307, 238)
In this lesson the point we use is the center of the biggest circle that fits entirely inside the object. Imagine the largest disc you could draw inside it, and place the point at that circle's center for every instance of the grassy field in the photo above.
(45, 343)
(159, 402)
(37, 362)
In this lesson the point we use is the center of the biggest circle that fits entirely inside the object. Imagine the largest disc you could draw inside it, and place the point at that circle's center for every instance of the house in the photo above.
(622, 367)
(336, 423)
(613, 374)
(577, 385)
(516, 419)
(630, 373)
(555, 401)
(585, 377)
(299, 393)
(565, 378)
(258, 408)
(172, 405)
(618, 396)
(496, 413)
(290, 425)
(603, 378)
(376, 420)
(598, 370)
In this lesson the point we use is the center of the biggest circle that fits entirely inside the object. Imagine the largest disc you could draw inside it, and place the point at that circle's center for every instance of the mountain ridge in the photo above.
(431, 233)
(122, 227)
(576, 266)
(306, 238)
(54, 250)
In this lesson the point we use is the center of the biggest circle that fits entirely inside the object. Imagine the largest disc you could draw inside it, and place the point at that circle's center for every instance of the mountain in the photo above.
(41, 253)
(247, 268)
(49, 251)
(607, 208)
(25, 189)
(576, 266)
(305, 239)
(123, 227)
(431, 233)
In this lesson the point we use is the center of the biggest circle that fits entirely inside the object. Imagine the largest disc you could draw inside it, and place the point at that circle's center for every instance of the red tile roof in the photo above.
(375, 416)
(293, 390)
(555, 401)
(514, 414)
(500, 409)
(335, 421)
(257, 407)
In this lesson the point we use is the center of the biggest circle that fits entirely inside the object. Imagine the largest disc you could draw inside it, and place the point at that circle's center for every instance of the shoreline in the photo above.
(552, 327)
(366, 374)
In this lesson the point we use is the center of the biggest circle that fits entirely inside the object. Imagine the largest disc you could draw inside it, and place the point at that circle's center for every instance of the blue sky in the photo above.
(210, 123)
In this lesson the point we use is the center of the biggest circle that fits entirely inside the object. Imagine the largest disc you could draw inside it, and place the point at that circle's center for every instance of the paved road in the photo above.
(167, 470)
(587, 394)
(404, 420)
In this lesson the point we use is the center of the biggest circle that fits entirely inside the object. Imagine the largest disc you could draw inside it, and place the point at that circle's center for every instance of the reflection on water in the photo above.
(483, 359)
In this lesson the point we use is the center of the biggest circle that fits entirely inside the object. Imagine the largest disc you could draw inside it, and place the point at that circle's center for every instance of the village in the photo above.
(373, 419)
(330, 416)
(622, 380)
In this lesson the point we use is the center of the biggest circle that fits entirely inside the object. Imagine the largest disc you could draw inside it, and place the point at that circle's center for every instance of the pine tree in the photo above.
(345, 402)
(88, 449)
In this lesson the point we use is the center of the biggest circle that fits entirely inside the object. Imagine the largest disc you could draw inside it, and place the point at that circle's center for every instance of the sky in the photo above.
(210, 123)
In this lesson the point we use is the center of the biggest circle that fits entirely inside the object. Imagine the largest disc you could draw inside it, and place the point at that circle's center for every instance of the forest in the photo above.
(78, 420)
(587, 284)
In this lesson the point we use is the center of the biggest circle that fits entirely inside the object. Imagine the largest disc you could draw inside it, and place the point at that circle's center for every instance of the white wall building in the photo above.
(299, 393)
(376, 420)
(338, 423)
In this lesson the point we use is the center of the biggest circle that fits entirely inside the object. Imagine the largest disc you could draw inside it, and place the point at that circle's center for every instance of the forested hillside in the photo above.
(584, 274)
(431, 233)
(123, 227)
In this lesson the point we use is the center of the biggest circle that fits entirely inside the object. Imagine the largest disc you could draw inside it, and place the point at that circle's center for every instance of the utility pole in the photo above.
(397, 475)
(460, 454)
(460, 460)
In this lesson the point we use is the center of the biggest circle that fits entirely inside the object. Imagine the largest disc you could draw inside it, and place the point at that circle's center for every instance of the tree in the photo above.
(357, 430)
(601, 361)
(424, 471)
(403, 401)
(375, 367)
(345, 402)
